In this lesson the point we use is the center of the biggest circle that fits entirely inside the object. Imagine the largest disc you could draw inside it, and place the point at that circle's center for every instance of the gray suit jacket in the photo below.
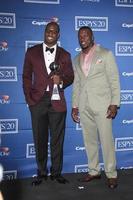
(101, 87)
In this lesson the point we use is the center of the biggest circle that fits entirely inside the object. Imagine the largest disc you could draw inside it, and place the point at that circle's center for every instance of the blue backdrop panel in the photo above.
(22, 24)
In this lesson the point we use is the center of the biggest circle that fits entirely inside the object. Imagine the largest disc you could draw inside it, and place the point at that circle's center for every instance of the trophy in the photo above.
(55, 94)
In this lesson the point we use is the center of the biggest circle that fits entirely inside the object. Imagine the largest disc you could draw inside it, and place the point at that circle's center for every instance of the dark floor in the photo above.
(74, 190)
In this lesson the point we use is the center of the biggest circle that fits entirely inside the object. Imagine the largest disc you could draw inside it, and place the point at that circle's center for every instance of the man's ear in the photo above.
(58, 35)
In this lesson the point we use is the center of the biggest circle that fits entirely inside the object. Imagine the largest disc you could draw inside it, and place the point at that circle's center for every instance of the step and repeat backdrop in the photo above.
(22, 24)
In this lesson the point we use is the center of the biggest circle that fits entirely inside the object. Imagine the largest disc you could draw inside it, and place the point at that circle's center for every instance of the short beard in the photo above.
(89, 46)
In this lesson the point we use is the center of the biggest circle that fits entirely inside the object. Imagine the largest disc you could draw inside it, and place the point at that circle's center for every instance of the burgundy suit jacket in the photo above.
(36, 78)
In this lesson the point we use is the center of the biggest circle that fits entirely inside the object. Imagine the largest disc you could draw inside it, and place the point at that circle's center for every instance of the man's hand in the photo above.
(75, 115)
(56, 79)
(112, 111)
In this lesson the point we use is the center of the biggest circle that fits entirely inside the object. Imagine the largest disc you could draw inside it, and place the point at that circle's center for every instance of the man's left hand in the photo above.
(112, 111)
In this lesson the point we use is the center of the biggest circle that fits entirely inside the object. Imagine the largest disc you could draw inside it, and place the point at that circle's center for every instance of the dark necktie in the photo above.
(50, 49)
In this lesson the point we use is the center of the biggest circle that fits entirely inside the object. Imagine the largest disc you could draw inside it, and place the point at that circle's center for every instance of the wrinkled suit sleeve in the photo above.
(76, 87)
(113, 78)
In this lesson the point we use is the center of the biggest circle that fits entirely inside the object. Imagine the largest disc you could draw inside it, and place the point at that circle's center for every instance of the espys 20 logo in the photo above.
(126, 96)
(30, 150)
(124, 144)
(84, 168)
(8, 126)
(8, 73)
(7, 20)
(96, 23)
(124, 3)
(10, 175)
(124, 48)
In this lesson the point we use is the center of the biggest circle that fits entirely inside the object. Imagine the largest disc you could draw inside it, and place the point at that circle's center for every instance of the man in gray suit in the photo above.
(96, 97)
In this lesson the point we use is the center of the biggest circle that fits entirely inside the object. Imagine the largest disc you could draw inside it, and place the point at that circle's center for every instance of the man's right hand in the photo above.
(75, 115)
(56, 79)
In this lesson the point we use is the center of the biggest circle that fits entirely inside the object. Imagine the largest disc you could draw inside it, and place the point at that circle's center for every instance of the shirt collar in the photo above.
(55, 46)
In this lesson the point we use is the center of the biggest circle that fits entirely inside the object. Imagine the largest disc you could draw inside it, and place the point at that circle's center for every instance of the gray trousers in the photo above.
(98, 129)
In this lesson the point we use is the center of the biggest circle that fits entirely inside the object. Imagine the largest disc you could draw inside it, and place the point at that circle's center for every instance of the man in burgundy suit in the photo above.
(47, 115)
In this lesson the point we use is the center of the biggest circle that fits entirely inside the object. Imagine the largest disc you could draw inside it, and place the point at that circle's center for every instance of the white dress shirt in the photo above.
(49, 58)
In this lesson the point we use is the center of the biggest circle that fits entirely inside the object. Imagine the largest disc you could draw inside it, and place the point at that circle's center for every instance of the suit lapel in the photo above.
(42, 61)
(80, 62)
(94, 60)
(57, 56)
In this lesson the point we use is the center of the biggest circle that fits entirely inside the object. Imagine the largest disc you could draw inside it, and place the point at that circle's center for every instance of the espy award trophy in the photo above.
(55, 69)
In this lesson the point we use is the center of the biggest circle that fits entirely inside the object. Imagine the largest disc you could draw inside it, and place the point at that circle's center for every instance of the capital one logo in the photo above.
(79, 148)
(127, 122)
(8, 73)
(7, 20)
(127, 25)
(124, 48)
(127, 74)
(124, 144)
(30, 151)
(10, 175)
(129, 167)
(124, 3)
(95, 23)
(8, 126)
(43, 1)
(126, 96)
(44, 22)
